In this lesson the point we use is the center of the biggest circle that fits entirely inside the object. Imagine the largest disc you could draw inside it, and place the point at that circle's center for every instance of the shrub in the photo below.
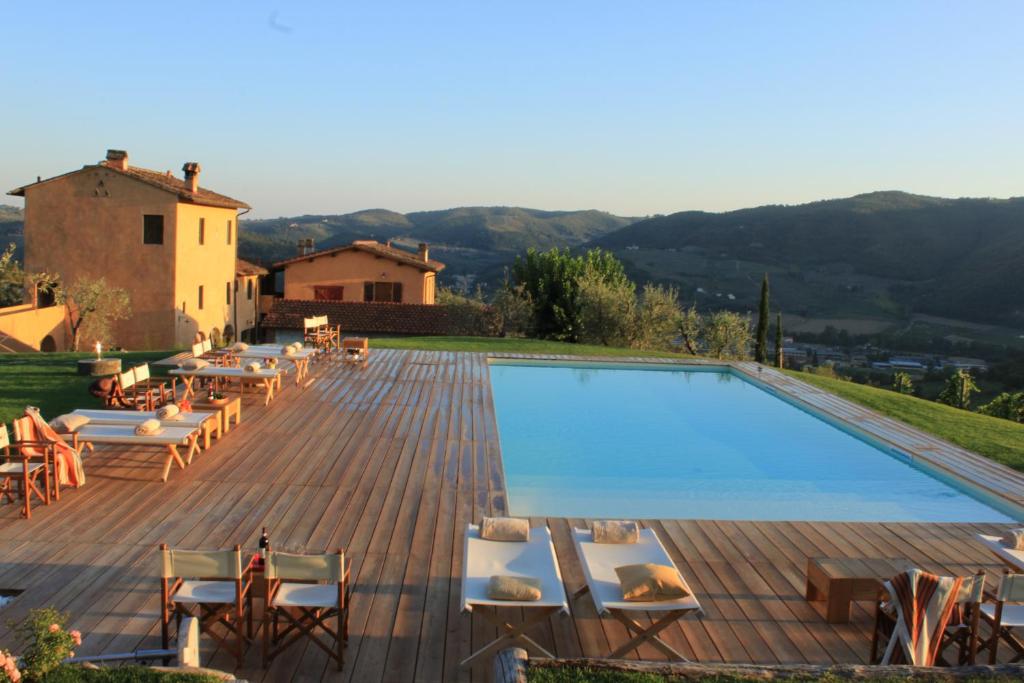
(605, 309)
(44, 641)
(658, 319)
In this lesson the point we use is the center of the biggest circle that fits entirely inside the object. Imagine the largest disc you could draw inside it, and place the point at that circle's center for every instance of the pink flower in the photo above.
(3, 659)
(71, 654)
(76, 637)
(54, 628)
(14, 675)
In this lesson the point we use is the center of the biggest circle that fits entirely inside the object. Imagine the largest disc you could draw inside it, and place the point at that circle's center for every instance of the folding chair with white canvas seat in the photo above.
(154, 392)
(212, 586)
(599, 561)
(535, 558)
(20, 475)
(124, 394)
(306, 591)
(1004, 615)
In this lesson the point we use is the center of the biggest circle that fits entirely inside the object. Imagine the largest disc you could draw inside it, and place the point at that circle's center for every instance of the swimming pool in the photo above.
(648, 441)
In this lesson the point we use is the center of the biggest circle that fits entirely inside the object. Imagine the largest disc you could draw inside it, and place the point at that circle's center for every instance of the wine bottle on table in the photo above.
(264, 546)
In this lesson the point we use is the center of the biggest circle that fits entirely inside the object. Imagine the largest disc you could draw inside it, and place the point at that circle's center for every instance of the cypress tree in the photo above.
(761, 343)
(779, 360)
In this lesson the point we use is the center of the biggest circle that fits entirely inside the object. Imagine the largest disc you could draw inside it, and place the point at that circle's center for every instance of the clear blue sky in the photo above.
(630, 107)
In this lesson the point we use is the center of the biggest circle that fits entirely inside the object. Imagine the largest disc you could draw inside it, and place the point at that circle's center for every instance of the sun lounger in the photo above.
(209, 423)
(599, 561)
(1012, 558)
(124, 435)
(536, 558)
(266, 377)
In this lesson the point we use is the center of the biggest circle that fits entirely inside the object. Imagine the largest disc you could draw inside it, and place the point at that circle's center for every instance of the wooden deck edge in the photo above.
(511, 666)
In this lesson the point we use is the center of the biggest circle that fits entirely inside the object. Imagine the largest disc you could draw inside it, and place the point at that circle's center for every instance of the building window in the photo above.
(390, 292)
(328, 292)
(227, 292)
(202, 231)
(248, 289)
(200, 297)
(229, 232)
(152, 229)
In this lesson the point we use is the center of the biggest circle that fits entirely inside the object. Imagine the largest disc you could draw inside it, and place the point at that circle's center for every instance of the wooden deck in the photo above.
(391, 462)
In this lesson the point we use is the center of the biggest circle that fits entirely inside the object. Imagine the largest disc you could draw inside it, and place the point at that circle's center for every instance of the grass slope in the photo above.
(50, 381)
(1000, 440)
(510, 345)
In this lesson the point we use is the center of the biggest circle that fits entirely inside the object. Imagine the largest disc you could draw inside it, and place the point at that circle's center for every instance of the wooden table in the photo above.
(355, 349)
(840, 581)
(225, 411)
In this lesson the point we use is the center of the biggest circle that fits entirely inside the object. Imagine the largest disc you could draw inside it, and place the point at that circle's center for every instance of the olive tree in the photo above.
(92, 306)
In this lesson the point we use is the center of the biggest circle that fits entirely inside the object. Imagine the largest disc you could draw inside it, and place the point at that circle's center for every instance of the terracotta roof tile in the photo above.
(384, 251)
(243, 267)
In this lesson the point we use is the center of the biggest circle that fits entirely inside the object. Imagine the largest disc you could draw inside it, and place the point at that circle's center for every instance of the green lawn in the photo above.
(50, 381)
(1001, 440)
(509, 345)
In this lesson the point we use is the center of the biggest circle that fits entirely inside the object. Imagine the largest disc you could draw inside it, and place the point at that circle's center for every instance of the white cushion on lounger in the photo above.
(536, 558)
(995, 544)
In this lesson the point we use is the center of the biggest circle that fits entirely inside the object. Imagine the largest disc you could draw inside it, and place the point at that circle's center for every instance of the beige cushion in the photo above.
(505, 529)
(169, 412)
(150, 427)
(68, 422)
(195, 364)
(616, 531)
(252, 367)
(297, 345)
(288, 350)
(1014, 539)
(239, 346)
(650, 582)
(519, 588)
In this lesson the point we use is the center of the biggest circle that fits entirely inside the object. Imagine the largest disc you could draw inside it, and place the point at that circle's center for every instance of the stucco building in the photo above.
(364, 271)
(169, 242)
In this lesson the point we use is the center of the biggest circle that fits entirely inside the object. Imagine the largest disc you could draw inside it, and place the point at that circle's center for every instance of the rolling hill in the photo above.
(474, 242)
(883, 254)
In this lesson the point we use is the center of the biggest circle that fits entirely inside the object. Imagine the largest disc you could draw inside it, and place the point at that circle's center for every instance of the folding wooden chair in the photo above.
(20, 473)
(154, 392)
(211, 586)
(124, 394)
(306, 591)
(1004, 615)
(28, 442)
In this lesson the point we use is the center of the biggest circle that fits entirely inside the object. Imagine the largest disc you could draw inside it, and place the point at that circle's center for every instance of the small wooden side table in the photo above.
(227, 411)
(840, 581)
(355, 349)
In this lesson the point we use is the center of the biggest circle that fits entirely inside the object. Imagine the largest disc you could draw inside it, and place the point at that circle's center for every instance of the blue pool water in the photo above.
(650, 442)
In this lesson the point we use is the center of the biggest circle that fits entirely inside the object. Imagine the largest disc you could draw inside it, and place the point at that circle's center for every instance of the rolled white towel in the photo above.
(253, 367)
(150, 427)
(288, 350)
(239, 346)
(169, 412)
(194, 364)
(296, 345)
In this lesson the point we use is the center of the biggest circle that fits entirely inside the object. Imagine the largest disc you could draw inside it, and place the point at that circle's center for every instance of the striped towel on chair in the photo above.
(924, 603)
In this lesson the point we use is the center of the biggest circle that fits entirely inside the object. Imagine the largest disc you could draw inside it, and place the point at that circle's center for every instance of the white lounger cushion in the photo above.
(536, 558)
(599, 561)
(275, 352)
(134, 417)
(125, 434)
(1012, 557)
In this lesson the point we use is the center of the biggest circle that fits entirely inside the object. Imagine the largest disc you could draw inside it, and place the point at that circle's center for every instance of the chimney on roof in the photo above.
(305, 246)
(117, 158)
(192, 169)
(424, 252)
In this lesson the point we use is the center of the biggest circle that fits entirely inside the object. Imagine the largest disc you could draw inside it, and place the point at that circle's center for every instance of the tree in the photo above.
(1006, 405)
(958, 390)
(726, 335)
(901, 383)
(761, 345)
(657, 319)
(690, 324)
(92, 306)
(12, 278)
(605, 309)
(513, 310)
(780, 358)
(551, 279)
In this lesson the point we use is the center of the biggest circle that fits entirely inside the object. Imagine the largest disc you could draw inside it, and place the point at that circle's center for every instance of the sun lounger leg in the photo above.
(193, 448)
(172, 456)
(510, 634)
(648, 635)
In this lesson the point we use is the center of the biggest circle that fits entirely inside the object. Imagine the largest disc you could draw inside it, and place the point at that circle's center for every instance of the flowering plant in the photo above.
(45, 643)
(9, 672)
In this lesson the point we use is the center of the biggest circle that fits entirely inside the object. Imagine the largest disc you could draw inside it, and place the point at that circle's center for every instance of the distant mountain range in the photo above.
(879, 254)
(474, 242)
(882, 256)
